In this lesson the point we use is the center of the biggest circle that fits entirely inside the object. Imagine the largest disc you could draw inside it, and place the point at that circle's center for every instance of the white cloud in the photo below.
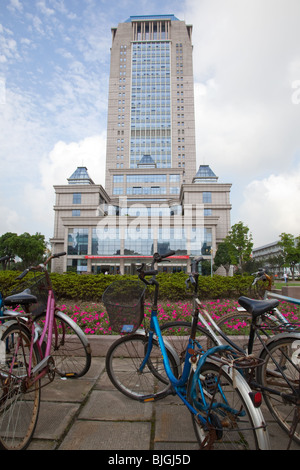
(13, 221)
(27, 195)
(247, 72)
(245, 60)
(55, 169)
(271, 206)
(41, 5)
(15, 5)
(63, 160)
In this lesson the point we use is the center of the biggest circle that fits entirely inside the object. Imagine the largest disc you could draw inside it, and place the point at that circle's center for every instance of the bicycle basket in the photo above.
(124, 302)
(37, 286)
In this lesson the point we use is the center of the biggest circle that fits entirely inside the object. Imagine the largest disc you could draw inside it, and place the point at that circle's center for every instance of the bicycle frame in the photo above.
(179, 385)
(262, 275)
(45, 365)
(212, 327)
(47, 329)
(277, 312)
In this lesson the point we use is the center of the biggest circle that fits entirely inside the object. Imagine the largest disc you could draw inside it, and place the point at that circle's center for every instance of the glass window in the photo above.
(201, 241)
(118, 191)
(138, 241)
(106, 241)
(146, 178)
(150, 90)
(171, 239)
(77, 265)
(207, 212)
(174, 190)
(78, 241)
(118, 178)
(76, 213)
(174, 178)
(206, 197)
(77, 198)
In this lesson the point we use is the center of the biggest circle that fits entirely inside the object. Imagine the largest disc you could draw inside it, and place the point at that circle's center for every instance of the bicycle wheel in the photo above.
(19, 406)
(177, 334)
(239, 427)
(123, 361)
(285, 350)
(236, 325)
(70, 348)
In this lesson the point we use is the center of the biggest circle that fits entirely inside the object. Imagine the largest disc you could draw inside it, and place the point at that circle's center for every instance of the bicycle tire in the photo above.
(237, 325)
(285, 349)
(19, 406)
(123, 360)
(227, 431)
(177, 334)
(70, 347)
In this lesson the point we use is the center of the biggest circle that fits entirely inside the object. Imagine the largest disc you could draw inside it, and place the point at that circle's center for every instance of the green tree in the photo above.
(239, 241)
(30, 248)
(7, 247)
(223, 257)
(291, 250)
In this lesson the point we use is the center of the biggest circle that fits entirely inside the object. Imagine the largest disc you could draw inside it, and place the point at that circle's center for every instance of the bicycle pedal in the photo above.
(210, 383)
(15, 365)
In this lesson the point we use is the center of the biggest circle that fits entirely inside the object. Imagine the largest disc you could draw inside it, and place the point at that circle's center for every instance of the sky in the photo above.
(54, 72)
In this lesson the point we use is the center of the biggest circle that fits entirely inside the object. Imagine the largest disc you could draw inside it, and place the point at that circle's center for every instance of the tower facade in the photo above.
(151, 125)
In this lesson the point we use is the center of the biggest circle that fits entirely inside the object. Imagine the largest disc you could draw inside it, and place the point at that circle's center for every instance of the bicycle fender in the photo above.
(274, 339)
(3, 329)
(256, 413)
(6, 325)
(257, 417)
(75, 327)
(283, 335)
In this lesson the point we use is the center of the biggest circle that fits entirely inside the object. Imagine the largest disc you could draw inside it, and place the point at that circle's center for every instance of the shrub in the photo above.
(172, 286)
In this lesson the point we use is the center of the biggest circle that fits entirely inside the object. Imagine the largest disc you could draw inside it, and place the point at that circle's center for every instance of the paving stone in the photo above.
(107, 405)
(88, 413)
(101, 435)
(54, 418)
(173, 423)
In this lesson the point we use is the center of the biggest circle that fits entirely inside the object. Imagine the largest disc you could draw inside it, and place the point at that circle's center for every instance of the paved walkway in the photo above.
(90, 414)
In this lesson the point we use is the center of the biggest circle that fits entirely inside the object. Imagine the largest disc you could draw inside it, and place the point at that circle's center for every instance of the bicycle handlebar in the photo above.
(57, 255)
(40, 267)
(5, 258)
(157, 258)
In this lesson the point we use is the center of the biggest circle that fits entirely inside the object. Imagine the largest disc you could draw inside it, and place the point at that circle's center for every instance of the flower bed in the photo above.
(93, 319)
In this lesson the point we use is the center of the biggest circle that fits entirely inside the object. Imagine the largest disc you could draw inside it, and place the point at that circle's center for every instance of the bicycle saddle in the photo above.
(23, 298)
(257, 307)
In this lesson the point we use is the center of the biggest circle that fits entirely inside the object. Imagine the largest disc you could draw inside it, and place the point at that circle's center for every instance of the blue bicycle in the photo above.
(144, 366)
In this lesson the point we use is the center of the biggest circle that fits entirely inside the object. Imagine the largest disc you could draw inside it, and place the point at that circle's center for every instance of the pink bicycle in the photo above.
(34, 345)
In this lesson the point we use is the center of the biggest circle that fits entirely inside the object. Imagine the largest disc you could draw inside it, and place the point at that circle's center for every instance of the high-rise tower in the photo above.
(151, 126)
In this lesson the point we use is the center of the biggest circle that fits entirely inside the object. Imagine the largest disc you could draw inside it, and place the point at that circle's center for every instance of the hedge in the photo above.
(172, 286)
